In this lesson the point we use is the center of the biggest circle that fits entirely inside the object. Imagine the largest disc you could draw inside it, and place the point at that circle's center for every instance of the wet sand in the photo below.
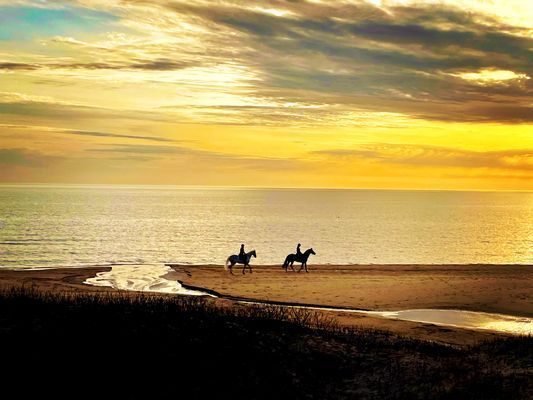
(488, 288)
(503, 289)
(60, 279)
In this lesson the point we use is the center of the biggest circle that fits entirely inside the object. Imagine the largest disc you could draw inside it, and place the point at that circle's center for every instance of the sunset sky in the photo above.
(359, 94)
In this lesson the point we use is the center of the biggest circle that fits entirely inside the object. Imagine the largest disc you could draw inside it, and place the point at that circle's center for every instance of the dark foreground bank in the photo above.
(127, 345)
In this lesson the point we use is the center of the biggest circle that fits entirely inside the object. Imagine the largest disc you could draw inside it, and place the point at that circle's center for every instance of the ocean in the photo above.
(45, 226)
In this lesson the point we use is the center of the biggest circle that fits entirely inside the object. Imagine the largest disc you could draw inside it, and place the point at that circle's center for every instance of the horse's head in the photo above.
(310, 251)
(253, 253)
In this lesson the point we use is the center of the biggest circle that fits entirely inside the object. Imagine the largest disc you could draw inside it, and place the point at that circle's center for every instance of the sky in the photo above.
(393, 94)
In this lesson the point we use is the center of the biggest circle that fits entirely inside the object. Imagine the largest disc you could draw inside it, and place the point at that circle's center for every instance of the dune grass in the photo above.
(130, 345)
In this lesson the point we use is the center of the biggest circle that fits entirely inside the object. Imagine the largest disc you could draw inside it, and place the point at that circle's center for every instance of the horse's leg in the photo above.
(306, 267)
(244, 268)
(231, 268)
(250, 267)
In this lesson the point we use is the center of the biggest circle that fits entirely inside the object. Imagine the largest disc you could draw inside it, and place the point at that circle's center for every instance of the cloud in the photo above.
(214, 159)
(143, 149)
(85, 133)
(24, 157)
(492, 77)
(317, 52)
(405, 57)
(434, 156)
(29, 107)
(115, 135)
(15, 66)
(148, 65)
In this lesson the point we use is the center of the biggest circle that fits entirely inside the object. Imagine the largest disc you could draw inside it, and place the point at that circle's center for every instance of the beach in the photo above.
(269, 334)
(501, 289)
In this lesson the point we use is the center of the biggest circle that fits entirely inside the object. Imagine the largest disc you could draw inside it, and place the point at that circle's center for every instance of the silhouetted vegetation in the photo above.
(128, 345)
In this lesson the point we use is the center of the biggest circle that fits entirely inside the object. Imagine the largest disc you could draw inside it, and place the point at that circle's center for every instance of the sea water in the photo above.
(79, 225)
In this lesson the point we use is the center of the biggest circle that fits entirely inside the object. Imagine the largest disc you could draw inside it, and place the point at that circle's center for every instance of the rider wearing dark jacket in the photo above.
(298, 251)
(242, 254)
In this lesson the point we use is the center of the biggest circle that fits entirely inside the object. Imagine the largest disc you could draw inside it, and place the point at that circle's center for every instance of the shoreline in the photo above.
(257, 265)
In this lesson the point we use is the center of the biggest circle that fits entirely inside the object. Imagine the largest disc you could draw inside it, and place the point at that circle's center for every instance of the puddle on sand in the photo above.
(456, 318)
(464, 319)
(150, 278)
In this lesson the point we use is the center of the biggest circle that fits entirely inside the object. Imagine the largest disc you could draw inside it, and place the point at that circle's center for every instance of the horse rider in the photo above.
(298, 251)
(242, 254)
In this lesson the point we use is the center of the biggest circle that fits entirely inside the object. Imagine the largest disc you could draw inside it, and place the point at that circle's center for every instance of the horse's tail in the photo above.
(286, 263)
(226, 264)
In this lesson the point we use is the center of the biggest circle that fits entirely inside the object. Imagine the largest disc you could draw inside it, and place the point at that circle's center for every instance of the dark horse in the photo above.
(291, 258)
(235, 259)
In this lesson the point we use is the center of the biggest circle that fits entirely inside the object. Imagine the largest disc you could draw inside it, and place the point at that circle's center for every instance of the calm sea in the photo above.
(45, 226)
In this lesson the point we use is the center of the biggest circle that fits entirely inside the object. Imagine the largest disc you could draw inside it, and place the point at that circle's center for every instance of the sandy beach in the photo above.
(54, 280)
(504, 289)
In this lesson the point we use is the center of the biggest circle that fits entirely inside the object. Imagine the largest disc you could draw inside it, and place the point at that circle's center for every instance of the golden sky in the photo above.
(396, 94)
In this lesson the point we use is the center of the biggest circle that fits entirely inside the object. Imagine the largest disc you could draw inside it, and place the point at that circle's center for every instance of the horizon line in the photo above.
(244, 187)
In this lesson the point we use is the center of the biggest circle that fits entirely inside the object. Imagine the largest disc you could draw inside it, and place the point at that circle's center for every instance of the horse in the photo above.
(235, 259)
(291, 258)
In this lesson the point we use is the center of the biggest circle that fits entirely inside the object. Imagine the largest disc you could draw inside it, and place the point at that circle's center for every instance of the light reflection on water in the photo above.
(464, 319)
(88, 225)
(152, 279)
